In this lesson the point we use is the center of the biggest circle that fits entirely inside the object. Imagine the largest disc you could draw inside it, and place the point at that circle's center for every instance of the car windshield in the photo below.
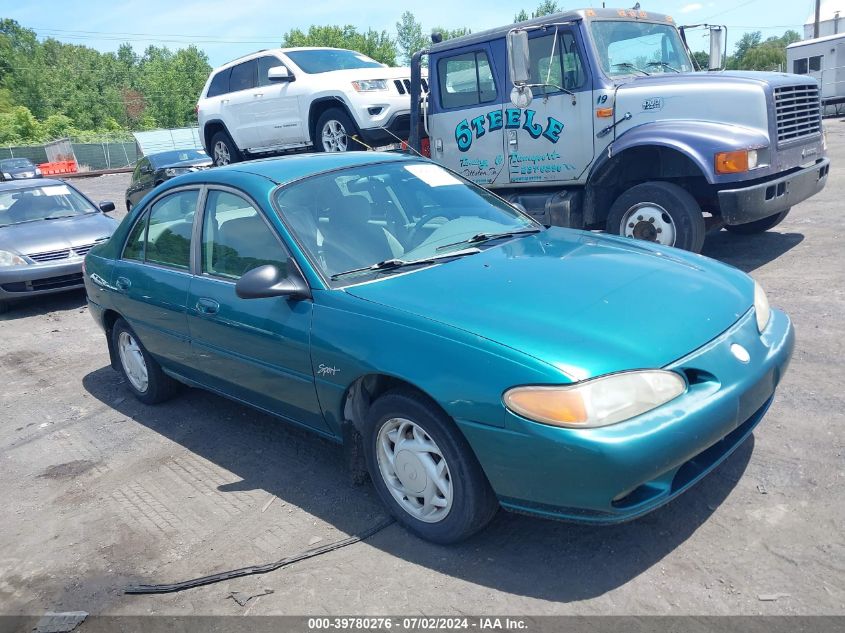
(46, 202)
(15, 163)
(323, 60)
(178, 156)
(390, 215)
(635, 48)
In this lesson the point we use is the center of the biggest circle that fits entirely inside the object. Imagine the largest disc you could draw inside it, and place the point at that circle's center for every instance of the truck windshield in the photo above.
(636, 48)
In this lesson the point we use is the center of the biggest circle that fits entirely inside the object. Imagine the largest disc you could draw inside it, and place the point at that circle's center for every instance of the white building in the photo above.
(831, 19)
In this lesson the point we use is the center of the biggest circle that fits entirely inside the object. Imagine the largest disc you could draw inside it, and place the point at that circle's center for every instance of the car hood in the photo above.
(53, 235)
(194, 162)
(584, 303)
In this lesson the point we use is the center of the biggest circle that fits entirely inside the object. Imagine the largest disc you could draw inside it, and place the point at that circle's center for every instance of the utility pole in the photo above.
(818, 15)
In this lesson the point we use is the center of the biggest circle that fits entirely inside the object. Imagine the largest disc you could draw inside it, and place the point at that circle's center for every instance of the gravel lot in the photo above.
(101, 491)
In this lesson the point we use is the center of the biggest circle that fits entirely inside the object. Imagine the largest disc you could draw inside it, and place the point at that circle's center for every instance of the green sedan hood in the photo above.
(585, 303)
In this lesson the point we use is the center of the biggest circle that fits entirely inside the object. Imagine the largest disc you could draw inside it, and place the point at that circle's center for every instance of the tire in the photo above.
(223, 150)
(463, 502)
(659, 212)
(758, 226)
(334, 131)
(158, 386)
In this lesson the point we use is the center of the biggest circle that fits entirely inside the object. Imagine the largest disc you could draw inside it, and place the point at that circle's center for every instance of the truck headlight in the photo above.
(597, 402)
(11, 259)
(761, 307)
(736, 162)
(370, 85)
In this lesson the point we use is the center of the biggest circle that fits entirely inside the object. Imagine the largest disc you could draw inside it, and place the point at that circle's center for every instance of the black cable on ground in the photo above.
(258, 569)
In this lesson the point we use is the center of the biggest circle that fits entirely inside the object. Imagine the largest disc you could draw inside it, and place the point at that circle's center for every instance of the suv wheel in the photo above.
(223, 150)
(334, 132)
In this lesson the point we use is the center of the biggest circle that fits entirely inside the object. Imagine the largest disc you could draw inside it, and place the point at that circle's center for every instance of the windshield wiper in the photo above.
(392, 264)
(632, 67)
(486, 237)
(664, 65)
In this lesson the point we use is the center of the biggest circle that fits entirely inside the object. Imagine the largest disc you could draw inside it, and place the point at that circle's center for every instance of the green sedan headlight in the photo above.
(761, 307)
(598, 402)
(11, 259)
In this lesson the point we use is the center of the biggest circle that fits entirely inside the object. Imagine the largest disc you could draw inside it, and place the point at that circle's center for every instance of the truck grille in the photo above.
(404, 85)
(798, 111)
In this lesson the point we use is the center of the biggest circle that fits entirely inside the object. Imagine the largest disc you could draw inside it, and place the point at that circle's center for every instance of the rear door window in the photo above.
(243, 76)
(220, 83)
(163, 235)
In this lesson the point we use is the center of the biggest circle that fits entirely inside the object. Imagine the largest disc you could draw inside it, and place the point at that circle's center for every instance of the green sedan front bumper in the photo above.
(620, 472)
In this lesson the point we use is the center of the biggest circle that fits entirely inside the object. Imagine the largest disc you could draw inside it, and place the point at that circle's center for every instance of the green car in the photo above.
(470, 358)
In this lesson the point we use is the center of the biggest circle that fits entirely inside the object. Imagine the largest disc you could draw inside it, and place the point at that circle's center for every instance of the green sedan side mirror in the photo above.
(269, 281)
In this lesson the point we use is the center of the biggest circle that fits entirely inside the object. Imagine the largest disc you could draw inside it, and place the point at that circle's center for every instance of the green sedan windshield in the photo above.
(396, 212)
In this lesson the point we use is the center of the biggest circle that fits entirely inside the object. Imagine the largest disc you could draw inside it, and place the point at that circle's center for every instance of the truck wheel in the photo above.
(659, 212)
(758, 226)
(334, 132)
(223, 150)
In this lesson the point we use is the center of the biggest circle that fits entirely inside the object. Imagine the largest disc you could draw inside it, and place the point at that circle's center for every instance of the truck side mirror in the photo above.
(519, 60)
(717, 47)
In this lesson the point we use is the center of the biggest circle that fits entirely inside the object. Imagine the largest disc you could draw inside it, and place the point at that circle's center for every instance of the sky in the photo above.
(226, 29)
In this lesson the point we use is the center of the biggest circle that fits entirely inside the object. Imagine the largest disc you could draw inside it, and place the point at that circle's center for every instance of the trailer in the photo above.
(824, 59)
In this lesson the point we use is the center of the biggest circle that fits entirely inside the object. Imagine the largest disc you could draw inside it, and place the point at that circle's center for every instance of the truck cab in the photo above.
(597, 118)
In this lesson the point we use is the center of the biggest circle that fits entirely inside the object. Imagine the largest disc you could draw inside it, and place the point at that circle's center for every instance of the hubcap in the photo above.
(221, 154)
(133, 362)
(414, 469)
(650, 222)
(334, 137)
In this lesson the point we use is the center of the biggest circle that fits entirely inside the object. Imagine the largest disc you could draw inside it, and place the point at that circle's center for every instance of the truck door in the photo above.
(466, 116)
(552, 140)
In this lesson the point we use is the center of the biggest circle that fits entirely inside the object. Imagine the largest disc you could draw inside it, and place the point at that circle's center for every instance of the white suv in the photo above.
(292, 98)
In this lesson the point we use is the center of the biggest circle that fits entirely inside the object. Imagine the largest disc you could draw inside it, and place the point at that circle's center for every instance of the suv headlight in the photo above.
(597, 402)
(11, 259)
(370, 85)
(7, 175)
(761, 307)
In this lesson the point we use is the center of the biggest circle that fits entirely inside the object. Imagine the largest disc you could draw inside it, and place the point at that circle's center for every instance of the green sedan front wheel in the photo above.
(424, 469)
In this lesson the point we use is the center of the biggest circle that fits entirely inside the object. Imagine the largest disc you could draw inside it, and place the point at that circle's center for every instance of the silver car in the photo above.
(46, 228)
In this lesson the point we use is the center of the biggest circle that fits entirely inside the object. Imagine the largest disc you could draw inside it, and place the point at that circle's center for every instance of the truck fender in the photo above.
(699, 141)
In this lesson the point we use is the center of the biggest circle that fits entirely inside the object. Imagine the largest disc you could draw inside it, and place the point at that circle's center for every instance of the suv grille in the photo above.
(798, 111)
(404, 85)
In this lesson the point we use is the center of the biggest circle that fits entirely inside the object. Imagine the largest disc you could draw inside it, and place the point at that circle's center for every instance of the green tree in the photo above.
(409, 37)
(378, 45)
(754, 53)
(701, 60)
(547, 7)
(449, 34)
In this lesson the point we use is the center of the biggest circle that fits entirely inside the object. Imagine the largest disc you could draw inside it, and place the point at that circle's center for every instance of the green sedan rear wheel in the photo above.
(424, 470)
(142, 372)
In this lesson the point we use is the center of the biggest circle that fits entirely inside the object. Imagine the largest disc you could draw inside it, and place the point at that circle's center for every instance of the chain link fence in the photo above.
(89, 156)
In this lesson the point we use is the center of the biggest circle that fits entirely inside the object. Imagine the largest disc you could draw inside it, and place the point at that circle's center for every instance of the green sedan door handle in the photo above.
(207, 306)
